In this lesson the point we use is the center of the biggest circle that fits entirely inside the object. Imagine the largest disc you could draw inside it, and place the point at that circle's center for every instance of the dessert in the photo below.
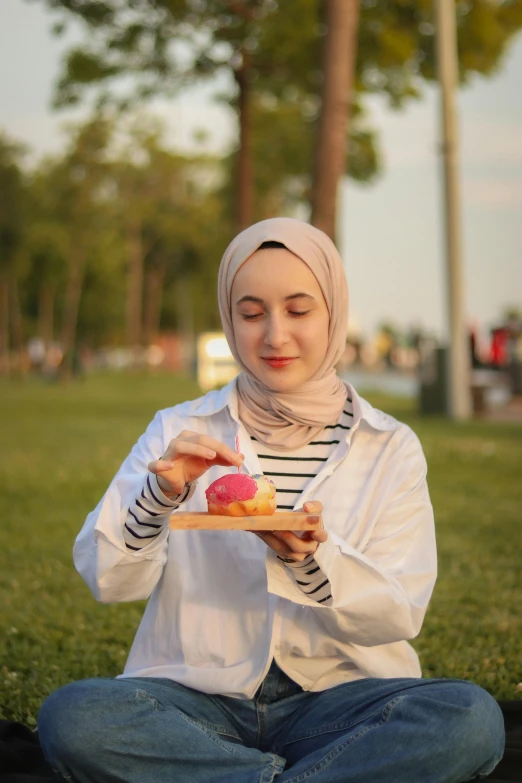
(241, 495)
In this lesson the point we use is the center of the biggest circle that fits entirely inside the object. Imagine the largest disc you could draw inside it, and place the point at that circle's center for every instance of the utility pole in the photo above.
(459, 391)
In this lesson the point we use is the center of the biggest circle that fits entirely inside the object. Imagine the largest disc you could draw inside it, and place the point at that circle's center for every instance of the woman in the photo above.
(274, 657)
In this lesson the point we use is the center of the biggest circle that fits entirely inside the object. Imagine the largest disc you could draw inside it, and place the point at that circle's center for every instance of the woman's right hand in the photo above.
(188, 456)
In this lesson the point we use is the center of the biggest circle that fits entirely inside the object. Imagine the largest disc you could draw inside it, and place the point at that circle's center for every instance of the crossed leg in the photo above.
(393, 731)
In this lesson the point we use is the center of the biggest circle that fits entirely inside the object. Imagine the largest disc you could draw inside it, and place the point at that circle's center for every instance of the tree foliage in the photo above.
(12, 216)
(11, 202)
(70, 228)
(115, 200)
(166, 44)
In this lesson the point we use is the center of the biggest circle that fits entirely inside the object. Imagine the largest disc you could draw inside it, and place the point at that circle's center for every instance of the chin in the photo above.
(282, 384)
(278, 380)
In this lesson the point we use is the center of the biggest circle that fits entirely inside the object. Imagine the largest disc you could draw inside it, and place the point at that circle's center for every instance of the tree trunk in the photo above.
(73, 294)
(17, 332)
(133, 317)
(185, 320)
(46, 313)
(155, 277)
(245, 176)
(339, 54)
(16, 316)
(4, 325)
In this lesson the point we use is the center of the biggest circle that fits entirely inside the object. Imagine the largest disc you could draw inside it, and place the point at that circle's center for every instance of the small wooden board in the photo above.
(281, 520)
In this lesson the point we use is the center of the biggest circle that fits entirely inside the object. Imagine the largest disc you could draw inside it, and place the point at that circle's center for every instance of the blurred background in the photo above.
(136, 139)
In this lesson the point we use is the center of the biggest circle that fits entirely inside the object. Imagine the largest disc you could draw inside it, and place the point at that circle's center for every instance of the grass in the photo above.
(60, 447)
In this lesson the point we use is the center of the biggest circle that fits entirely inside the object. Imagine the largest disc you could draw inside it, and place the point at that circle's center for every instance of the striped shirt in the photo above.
(151, 510)
(290, 475)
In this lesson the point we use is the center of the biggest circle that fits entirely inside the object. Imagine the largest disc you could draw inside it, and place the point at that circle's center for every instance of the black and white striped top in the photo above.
(291, 474)
(151, 510)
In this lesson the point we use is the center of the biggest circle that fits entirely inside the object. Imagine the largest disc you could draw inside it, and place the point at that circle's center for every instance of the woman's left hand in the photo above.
(287, 544)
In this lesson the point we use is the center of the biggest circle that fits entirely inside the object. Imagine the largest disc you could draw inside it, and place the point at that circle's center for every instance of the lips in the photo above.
(278, 361)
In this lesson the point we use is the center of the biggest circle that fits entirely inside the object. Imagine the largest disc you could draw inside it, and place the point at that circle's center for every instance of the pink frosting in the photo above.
(232, 486)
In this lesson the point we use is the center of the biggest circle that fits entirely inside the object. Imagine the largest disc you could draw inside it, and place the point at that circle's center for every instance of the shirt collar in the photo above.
(215, 401)
(364, 412)
(226, 397)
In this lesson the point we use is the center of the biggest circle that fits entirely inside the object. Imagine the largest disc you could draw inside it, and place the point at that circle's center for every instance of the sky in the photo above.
(391, 232)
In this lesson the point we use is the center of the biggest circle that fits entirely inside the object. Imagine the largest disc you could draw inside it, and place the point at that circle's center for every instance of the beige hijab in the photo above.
(289, 420)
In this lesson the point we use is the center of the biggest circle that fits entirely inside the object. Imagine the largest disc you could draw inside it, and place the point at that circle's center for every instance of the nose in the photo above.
(276, 333)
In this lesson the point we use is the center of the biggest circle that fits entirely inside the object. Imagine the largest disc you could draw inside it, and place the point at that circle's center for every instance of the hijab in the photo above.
(288, 420)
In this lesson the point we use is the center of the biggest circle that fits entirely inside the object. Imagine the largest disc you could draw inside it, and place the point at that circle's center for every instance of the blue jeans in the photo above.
(147, 730)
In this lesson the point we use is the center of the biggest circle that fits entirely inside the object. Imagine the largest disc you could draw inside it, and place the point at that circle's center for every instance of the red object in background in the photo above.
(499, 356)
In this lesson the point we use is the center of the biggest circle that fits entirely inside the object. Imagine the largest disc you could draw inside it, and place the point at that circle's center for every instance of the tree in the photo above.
(64, 237)
(143, 40)
(77, 184)
(12, 216)
(158, 202)
(270, 59)
(45, 247)
(167, 44)
(338, 70)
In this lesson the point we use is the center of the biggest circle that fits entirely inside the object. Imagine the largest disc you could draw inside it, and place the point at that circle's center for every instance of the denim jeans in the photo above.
(148, 730)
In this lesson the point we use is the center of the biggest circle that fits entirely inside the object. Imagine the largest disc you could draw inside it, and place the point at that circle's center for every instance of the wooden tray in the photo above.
(281, 520)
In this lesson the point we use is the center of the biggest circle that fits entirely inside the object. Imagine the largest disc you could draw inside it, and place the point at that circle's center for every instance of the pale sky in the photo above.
(390, 232)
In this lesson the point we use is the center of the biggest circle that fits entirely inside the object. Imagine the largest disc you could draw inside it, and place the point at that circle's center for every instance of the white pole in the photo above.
(459, 391)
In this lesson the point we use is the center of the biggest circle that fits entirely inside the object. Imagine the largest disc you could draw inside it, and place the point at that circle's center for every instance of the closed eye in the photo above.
(293, 313)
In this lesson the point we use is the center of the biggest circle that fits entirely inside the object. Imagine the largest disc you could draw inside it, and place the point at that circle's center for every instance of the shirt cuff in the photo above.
(310, 578)
(157, 498)
(149, 514)
(282, 580)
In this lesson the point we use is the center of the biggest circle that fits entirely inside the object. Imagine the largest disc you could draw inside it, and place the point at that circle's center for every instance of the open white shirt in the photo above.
(221, 603)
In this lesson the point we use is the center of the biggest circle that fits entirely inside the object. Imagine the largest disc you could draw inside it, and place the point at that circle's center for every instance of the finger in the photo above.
(179, 449)
(186, 448)
(160, 465)
(319, 535)
(295, 543)
(221, 449)
(278, 545)
(313, 507)
(225, 461)
(227, 456)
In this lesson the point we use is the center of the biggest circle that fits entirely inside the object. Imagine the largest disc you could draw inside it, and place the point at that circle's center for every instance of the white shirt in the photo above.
(222, 605)
(151, 510)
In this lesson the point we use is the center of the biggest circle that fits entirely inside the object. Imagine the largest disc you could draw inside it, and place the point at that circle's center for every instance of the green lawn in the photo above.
(60, 447)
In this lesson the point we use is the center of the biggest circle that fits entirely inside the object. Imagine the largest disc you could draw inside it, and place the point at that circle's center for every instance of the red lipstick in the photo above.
(278, 361)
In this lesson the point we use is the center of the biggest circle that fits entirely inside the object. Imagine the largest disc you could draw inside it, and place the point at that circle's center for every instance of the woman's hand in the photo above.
(188, 456)
(287, 544)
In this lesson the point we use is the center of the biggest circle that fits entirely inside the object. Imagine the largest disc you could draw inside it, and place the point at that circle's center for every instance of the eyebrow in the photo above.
(256, 299)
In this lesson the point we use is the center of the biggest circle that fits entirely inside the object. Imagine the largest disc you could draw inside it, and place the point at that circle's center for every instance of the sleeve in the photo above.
(112, 570)
(150, 512)
(381, 593)
(311, 578)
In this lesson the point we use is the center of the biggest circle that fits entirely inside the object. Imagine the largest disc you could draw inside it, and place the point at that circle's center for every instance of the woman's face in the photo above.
(280, 319)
